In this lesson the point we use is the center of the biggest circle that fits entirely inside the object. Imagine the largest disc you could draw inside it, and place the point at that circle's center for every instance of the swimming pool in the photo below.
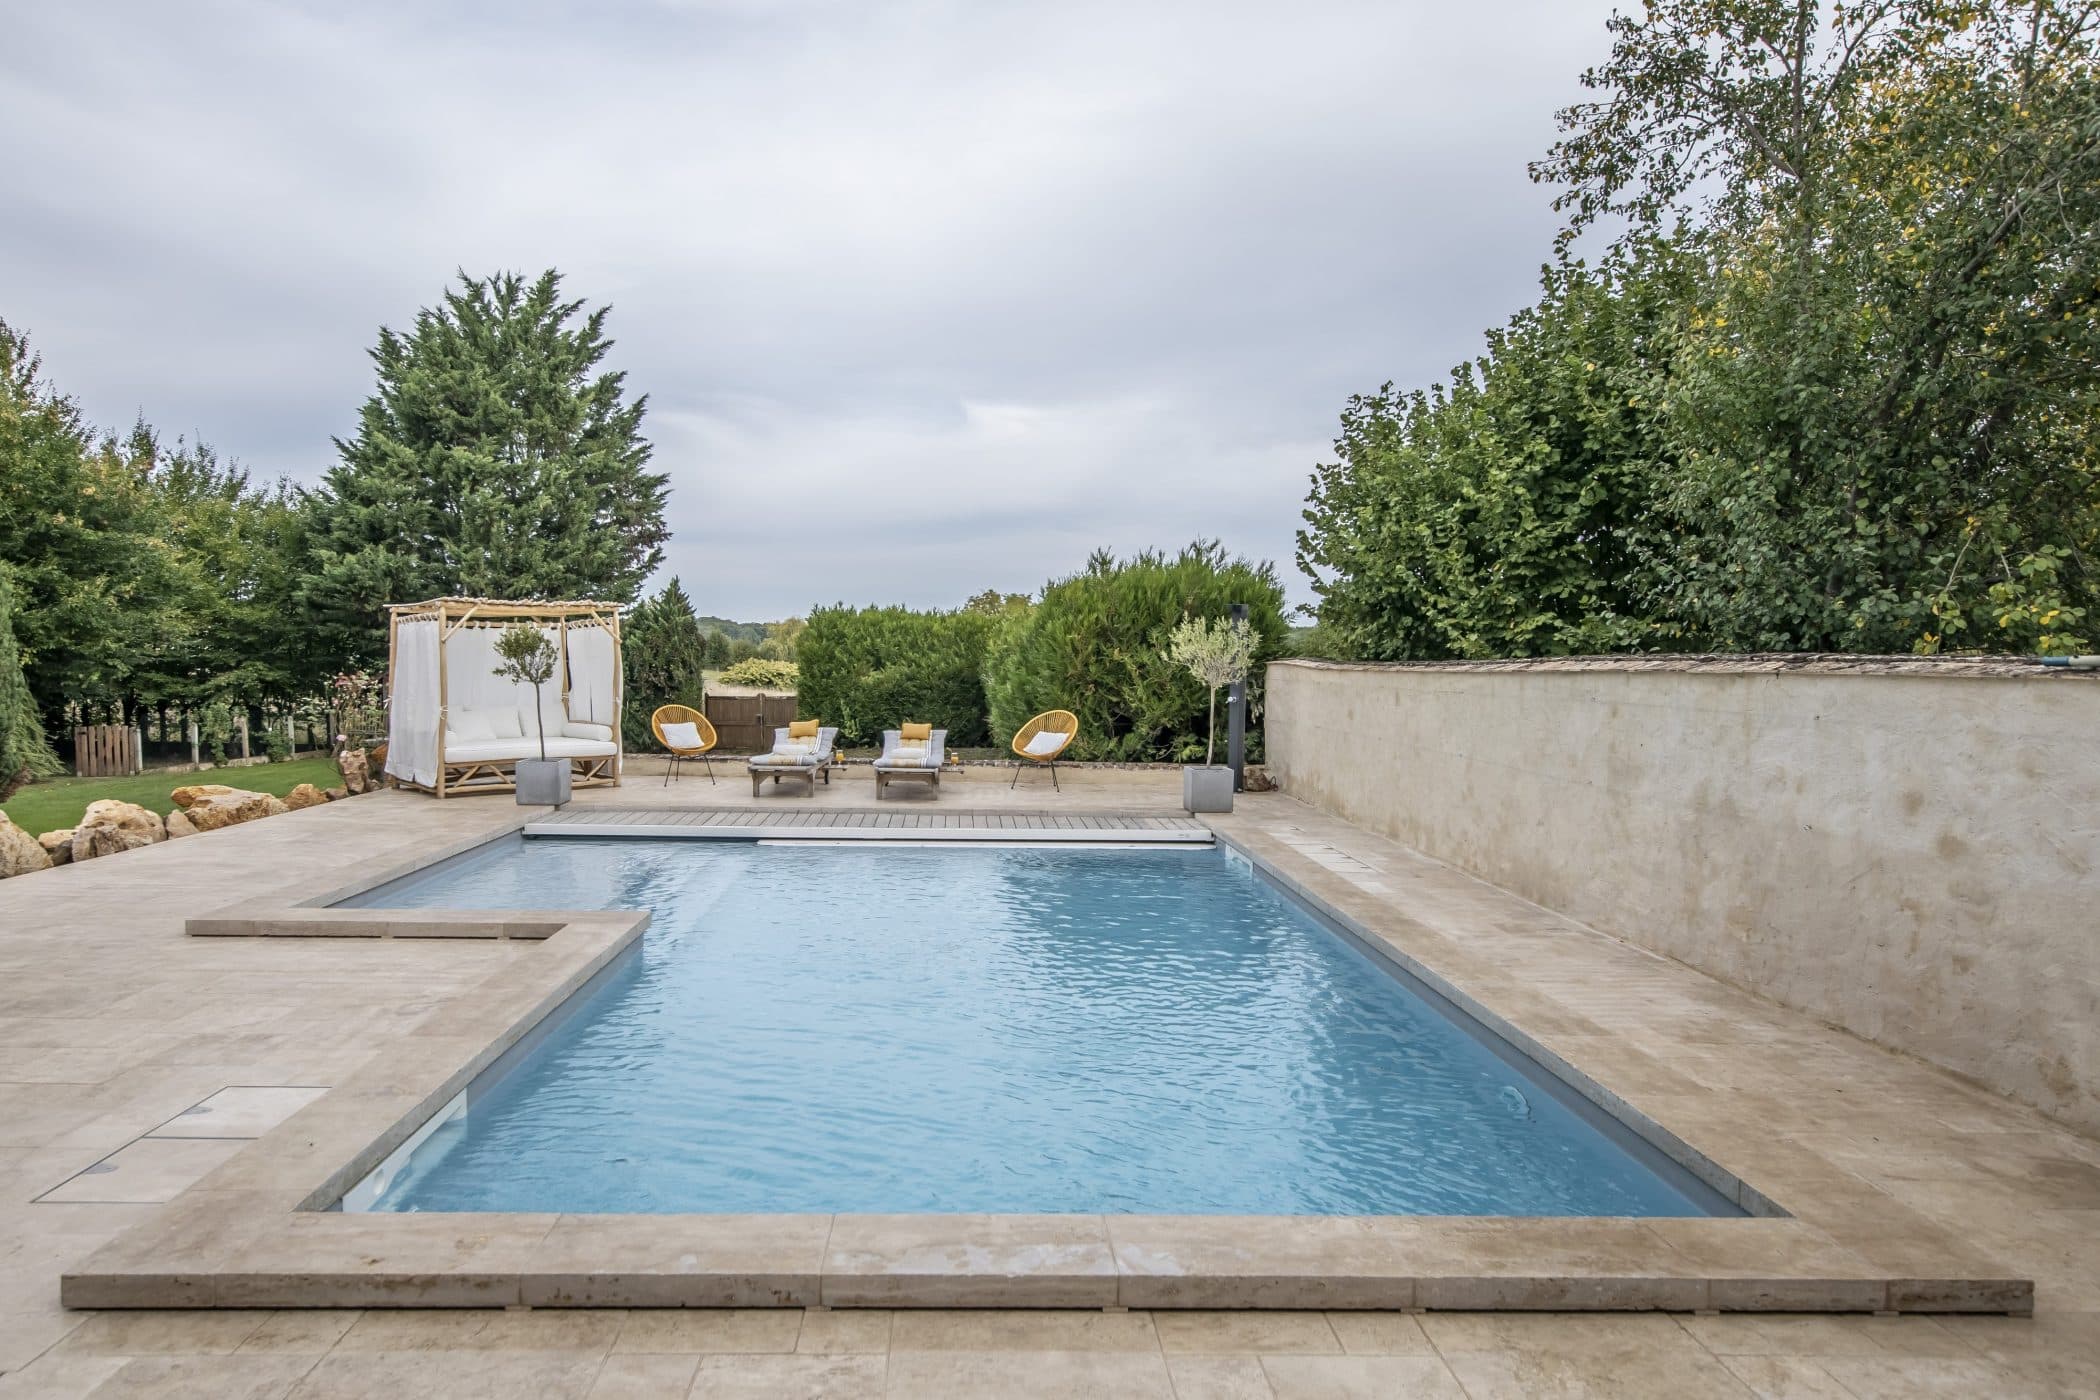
(816, 1028)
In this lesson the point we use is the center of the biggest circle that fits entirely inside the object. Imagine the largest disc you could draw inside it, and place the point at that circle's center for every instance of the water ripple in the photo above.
(840, 1029)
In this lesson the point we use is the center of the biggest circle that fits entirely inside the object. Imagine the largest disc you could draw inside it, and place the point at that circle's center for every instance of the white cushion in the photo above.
(506, 724)
(505, 750)
(1047, 742)
(466, 726)
(577, 729)
(679, 736)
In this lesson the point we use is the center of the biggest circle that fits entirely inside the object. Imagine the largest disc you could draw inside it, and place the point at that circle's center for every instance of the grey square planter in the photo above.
(1206, 787)
(543, 782)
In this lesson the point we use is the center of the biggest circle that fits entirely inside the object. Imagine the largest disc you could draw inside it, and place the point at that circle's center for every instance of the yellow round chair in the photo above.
(684, 714)
(1054, 722)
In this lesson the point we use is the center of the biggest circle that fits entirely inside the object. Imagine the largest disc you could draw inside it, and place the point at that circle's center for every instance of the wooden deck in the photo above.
(871, 824)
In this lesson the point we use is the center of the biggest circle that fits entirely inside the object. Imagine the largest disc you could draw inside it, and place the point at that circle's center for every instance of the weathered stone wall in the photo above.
(1909, 849)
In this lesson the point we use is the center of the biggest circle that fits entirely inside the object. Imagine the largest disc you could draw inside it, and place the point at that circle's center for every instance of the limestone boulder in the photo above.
(211, 806)
(336, 794)
(303, 796)
(20, 852)
(357, 771)
(110, 826)
(58, 845)
(179, 824)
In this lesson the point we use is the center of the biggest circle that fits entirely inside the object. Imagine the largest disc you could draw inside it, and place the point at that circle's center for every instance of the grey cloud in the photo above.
(994, 284)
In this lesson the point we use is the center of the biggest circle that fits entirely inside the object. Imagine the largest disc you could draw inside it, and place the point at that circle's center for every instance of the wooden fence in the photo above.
(745, 723)
(107, 751)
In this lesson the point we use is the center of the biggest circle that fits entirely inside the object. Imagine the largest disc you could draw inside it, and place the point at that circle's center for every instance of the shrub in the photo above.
(24, 754)
(1097, 645)
(871, 669)
(663, 651)
(762, 674)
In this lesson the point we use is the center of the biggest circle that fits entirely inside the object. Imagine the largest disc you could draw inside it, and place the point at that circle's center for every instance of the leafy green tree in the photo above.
(1096, 644)
(664, 653)
(1514, 510)
(24, 753)
(80, 528)
(870, 669)
(782, 639)
(717, 655)
(497, 457)
(1888, 380)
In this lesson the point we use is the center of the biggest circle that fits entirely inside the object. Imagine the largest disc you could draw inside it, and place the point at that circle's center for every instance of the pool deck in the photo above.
(114, 1024)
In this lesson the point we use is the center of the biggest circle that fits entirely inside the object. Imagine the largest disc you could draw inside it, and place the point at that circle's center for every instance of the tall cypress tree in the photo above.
(24, 754)
(665, 652)
(495, 458)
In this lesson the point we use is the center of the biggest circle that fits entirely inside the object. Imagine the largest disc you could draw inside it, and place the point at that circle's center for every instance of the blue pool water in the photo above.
(832, 1028)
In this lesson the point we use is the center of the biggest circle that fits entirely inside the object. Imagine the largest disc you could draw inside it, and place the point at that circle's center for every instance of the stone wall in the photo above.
(1907, 848)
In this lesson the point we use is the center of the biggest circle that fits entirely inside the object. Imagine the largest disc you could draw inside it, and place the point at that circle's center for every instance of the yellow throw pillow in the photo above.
(802, 729)
(915, 733)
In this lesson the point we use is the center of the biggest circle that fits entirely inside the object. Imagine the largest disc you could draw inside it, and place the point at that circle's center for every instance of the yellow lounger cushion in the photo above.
(802, 729)
(915, 733)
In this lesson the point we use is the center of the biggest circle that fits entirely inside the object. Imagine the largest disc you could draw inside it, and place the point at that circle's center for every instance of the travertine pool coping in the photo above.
(257, 1232)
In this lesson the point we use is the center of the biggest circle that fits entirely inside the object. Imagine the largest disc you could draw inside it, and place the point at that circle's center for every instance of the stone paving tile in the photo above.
(1786, 1378)
(205, 1378)
(483, 1329)
(1360, 1378)
(300, 1330)
(1914, 1378)
(52, 1377)
(1380, 1334)
(993, 1330)
(1031, 1375)
(1218, 1378)
(643, 1377)
(789, 1377)
(700, 1330)
(837, 1330)
(162, 1333)
(1634, 1375)
(1245, 1332)
(240, 1112)
(145, 1172)
(448, 1376)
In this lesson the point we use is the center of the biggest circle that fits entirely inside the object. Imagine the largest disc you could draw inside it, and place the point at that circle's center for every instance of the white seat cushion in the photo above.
(506, 750)
(1047, 742)
(468, 726)
(577, 729)
(506, 724)
(681, 736)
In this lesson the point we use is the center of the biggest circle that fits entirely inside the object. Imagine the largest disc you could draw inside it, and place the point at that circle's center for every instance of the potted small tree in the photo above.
(528, 659)
(1217, 653)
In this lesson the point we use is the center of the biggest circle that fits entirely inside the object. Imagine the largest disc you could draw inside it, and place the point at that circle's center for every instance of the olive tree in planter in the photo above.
(528, 659)
(1217, 653)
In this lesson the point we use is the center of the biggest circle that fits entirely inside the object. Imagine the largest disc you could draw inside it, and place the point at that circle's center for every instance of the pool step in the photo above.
(845, 824)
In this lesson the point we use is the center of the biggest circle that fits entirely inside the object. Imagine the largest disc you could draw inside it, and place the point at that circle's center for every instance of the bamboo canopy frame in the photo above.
(455, 614)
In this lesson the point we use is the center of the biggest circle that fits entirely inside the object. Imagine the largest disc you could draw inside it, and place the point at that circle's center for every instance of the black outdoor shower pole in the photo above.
(1236, 717)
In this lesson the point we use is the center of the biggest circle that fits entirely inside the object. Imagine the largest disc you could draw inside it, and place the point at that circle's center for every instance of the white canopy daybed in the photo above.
(455, 726)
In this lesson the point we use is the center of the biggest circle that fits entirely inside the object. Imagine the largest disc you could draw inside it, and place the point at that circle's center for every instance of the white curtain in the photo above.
(594, 681)
(412, 709)
(471, 682)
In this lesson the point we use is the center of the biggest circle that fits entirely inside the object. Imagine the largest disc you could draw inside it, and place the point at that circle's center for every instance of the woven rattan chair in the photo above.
(684, 714)
(1053, 722)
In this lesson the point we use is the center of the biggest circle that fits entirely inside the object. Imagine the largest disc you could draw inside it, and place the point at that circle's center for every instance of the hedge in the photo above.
(870, 669)
(1096, 645)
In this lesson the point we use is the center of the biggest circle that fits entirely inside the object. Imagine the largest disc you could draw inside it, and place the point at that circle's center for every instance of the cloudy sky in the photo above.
(979, 286)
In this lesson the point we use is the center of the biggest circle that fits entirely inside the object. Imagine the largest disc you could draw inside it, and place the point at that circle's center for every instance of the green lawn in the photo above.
(52, 806)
